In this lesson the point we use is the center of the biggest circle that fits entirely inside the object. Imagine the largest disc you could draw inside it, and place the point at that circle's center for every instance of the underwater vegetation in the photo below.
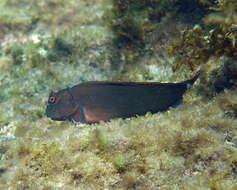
(54, 44)
(211, 46)
(133, 21)
(127, 154)
(216, 38)
(141, 27)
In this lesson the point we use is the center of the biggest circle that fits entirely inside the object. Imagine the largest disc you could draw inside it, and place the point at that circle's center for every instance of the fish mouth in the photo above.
(47, 112)
(58, 119)
(55, 118)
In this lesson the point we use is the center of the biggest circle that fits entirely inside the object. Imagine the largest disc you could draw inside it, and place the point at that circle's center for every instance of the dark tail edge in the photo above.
(191, 81)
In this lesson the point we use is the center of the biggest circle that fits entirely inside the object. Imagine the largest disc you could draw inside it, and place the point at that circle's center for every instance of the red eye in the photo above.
(52, 99)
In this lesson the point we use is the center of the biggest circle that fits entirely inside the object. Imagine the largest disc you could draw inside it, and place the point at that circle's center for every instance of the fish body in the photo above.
(91, 102)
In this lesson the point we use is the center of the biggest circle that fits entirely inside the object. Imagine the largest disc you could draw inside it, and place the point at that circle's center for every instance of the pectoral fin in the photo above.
(94, 115)
(79, 116)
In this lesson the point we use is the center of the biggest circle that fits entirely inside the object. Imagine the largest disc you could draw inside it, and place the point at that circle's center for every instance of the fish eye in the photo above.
(52, 99)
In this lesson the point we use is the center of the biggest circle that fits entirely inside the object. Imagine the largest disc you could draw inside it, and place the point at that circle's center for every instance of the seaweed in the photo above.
(17, 54)
(216, 38)
(59, 47)
(190, 147)
(140, 27)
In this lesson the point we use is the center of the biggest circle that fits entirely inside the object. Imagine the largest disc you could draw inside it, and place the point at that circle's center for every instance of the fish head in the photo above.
(60, 105)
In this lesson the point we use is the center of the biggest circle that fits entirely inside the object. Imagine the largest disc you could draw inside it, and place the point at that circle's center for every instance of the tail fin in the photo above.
(191, 81)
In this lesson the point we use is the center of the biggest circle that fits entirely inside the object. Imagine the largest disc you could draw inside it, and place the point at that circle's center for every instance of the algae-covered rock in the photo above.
(51, 44)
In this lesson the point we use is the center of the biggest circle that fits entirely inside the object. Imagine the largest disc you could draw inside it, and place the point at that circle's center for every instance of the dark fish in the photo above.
(91, 102)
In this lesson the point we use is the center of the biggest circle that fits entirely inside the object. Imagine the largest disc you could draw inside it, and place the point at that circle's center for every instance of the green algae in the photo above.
(152, 146)
(217, 38)
(139, 26)
(17, 54)
(120, 163)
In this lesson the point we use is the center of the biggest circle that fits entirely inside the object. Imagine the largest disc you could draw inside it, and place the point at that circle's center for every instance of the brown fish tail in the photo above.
(92, 102)
(192, 81)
